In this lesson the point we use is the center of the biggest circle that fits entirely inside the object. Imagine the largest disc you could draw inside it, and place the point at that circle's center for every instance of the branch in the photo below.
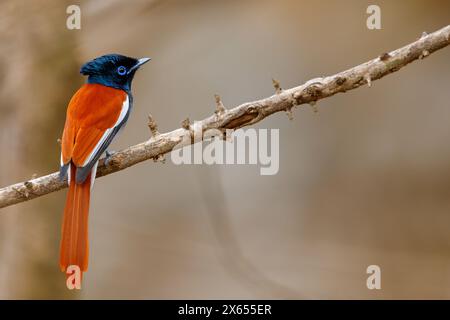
(244, 115)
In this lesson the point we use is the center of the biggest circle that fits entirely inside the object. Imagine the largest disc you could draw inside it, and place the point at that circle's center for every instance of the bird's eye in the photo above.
(121, 70)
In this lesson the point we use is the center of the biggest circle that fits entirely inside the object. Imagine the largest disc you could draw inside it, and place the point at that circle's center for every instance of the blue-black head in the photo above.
(112, 70)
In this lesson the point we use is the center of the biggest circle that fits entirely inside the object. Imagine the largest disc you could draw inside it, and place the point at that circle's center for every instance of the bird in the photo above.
(95, 114)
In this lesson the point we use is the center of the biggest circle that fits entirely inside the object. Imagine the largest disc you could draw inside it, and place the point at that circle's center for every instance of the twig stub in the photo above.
(152, 126)
(220, 108)
(186, 124)
(277, 86)
(385, 56)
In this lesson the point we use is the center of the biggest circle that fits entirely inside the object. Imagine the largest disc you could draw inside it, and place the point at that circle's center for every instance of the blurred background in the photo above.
(365, 180)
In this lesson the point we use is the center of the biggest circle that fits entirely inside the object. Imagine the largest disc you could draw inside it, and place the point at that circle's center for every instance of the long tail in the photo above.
(74, 248)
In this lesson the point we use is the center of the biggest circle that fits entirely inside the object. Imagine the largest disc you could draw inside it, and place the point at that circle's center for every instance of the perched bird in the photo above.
(96, 113)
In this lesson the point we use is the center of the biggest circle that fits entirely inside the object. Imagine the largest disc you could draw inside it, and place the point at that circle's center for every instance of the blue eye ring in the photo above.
(121, 70)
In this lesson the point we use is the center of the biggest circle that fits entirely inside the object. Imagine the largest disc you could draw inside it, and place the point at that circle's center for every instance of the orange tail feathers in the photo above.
(74, 249)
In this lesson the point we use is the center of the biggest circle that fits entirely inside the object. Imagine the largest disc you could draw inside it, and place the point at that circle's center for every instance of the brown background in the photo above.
(366, 180)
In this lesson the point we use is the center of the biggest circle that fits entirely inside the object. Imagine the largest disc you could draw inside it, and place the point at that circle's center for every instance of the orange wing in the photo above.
(93, 111)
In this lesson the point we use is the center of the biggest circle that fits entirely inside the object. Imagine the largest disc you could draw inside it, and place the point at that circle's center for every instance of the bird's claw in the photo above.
(108, 155)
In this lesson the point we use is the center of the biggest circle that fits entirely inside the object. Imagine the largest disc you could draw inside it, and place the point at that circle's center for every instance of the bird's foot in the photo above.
(108, 155)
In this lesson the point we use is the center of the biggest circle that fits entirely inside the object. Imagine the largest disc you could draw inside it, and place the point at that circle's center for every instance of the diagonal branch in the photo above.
(246, 114)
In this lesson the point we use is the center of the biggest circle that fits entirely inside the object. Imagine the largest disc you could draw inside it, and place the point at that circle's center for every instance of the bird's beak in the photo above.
(139, 63)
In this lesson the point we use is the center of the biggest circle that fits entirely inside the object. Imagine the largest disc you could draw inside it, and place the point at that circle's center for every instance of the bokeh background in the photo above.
(365, 180)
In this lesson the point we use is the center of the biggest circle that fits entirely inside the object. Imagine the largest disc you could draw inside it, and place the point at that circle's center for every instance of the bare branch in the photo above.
(246, 114)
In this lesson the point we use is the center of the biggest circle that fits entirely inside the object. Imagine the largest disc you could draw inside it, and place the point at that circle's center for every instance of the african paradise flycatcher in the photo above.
(96, 113)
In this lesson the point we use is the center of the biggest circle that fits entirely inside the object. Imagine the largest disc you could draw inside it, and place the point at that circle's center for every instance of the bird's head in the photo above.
(112, 70)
